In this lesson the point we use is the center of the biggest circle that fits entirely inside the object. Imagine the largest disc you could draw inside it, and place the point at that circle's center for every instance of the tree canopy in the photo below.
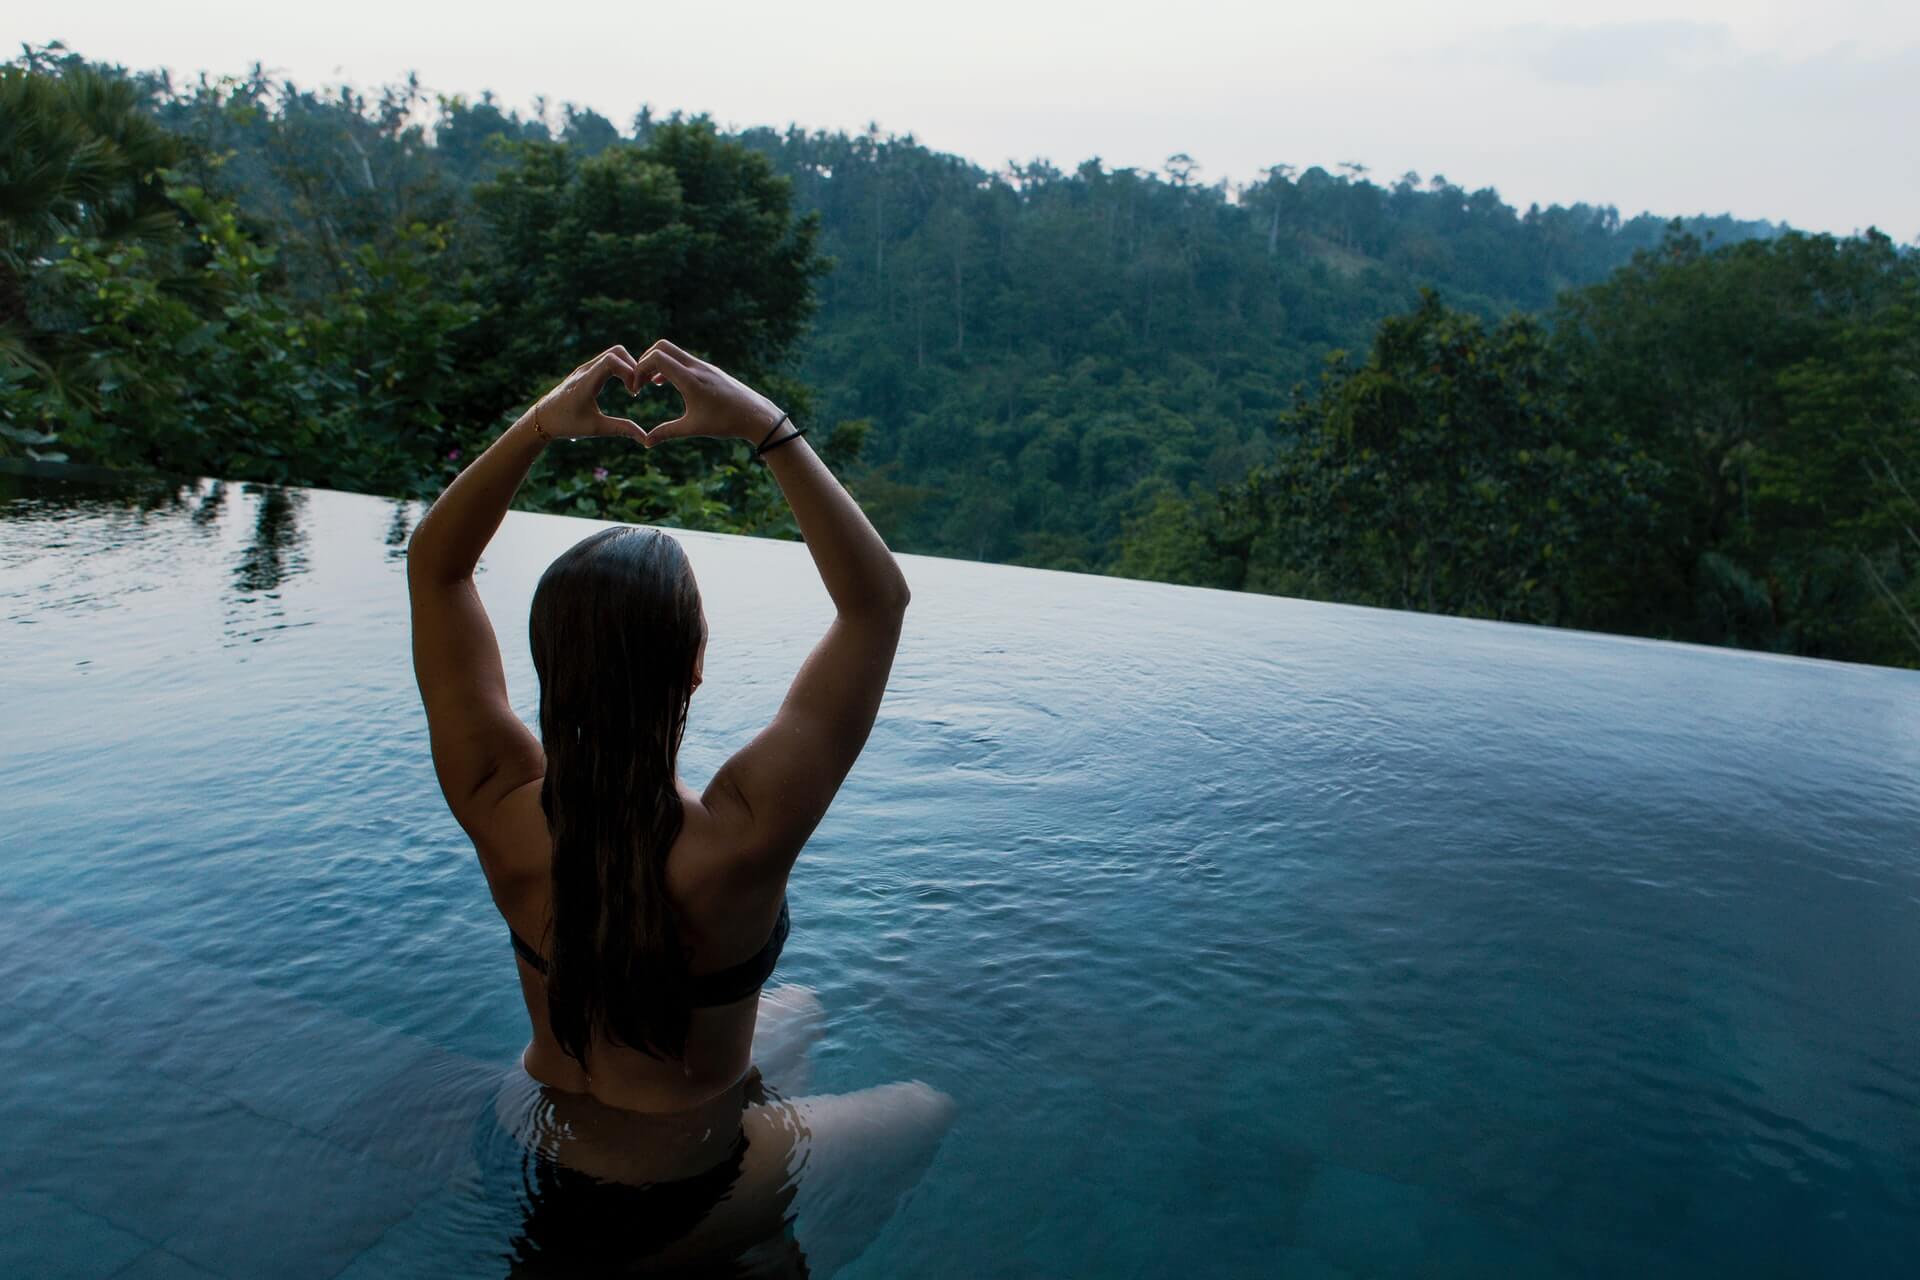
(1713, 446)
(1399, 393)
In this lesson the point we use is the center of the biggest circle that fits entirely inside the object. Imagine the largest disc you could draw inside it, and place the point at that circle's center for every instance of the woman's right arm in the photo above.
(776, 789)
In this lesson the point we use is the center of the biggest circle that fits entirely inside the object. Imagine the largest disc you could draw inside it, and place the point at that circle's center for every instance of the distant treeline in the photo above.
(1701, 429)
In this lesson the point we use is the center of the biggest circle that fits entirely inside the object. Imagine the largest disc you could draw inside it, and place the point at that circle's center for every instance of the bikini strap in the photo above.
(526, 952)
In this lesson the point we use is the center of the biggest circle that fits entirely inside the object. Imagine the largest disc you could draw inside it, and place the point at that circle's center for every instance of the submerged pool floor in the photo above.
(170, 1118)
(1252, 937)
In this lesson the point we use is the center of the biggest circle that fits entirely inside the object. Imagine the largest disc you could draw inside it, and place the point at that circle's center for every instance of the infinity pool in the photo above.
(1252, 937)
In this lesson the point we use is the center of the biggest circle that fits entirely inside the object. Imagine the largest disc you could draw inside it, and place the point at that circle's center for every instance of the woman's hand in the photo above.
(572, 409)
(717, 403)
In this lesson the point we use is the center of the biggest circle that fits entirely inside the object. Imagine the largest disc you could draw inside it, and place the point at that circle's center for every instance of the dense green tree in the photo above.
(1775, 383)
(688, 235)
(256, 289)
(970, 311)
(152, 326)
(469, 136)
(1155, 322)
(1098, 369)
(78, 161)
(1441, 474)
(1712, 445)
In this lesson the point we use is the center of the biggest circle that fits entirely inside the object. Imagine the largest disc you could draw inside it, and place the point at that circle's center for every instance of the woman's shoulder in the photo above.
(516, 853)
(713, 880)
(708, 855)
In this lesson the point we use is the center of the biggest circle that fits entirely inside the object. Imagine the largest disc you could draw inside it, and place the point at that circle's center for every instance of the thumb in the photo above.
(608, 425)
(677, 429)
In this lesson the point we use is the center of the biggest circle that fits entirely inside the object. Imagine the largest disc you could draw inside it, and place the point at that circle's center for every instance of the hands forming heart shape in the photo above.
(717, 403)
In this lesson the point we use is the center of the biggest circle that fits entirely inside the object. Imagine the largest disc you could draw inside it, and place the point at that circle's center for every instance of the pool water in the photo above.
(1251, 937)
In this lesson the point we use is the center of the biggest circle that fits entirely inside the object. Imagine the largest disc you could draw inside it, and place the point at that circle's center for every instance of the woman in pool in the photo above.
(646, 916)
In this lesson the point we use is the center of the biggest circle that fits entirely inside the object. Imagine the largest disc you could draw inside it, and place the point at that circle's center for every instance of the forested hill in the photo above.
(1037, 353)
(1398, 393)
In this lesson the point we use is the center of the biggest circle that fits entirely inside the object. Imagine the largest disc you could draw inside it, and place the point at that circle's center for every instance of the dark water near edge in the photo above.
(1251, 936)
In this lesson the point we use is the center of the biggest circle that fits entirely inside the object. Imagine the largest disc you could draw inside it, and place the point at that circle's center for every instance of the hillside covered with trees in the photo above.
(1397, 392)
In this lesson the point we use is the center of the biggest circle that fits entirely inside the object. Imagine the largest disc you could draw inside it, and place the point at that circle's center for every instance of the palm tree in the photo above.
(78, 157)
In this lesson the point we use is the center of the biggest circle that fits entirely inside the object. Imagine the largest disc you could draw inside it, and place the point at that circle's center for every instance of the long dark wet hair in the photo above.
(616, 630)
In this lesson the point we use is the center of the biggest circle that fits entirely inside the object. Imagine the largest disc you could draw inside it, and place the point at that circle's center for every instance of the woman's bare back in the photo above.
(724, 918)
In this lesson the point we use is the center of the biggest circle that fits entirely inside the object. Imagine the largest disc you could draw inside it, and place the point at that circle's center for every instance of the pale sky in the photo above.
(1783, 109)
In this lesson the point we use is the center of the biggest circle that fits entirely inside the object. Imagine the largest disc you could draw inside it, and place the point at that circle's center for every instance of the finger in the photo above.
(628, 370)
(608, 425)
(657, 366)
(587, 364)
(614, 363)
(626, 358)
(678, 429)
(673, 355)
(676, 352)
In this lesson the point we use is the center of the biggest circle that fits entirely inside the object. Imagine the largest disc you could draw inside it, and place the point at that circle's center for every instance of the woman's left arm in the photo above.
(481, 750)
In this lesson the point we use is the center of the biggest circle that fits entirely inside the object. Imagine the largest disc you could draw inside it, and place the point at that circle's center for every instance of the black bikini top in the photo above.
(735, 982)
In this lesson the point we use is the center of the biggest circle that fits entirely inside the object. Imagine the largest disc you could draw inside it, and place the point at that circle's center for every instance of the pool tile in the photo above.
(1304, 1264)
(194, 1022)
(1372, 1225)
(419, 1117)
(296, 1060)
(454, 1233)
(1459, 1242)
(224, 1187)
(288, 1205)
(158, 1264)
(1360, 1221)
(49, 1239)
(381, 1092)
(136, 1173)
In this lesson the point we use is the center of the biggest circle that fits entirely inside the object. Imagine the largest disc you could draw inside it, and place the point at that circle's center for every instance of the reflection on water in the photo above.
(399, 529)
(139, 515)
(275, 552)
(212, 502)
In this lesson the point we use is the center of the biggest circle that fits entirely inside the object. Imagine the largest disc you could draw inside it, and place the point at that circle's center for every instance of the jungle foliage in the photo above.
(1716, 446)
(1702, 429)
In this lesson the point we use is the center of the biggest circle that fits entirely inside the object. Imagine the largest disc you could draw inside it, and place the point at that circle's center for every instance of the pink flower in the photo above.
(599, 473)
(453, 455)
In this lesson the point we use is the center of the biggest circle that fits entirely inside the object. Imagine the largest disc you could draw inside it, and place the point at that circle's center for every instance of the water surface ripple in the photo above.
(1252, 936)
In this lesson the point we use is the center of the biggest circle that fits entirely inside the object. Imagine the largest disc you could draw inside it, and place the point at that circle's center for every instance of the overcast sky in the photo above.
(1783, 109)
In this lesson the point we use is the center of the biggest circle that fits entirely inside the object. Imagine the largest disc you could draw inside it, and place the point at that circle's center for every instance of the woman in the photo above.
(646, 916)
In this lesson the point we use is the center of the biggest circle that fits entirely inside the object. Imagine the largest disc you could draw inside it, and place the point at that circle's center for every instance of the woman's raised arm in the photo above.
(775, 790)
(481, 751)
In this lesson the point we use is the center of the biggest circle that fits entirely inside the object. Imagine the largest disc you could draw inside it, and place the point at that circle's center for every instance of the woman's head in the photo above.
(619, 639)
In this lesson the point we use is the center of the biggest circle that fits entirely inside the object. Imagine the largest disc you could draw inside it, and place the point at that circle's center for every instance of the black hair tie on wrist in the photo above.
(766, 448)
(770, 430)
